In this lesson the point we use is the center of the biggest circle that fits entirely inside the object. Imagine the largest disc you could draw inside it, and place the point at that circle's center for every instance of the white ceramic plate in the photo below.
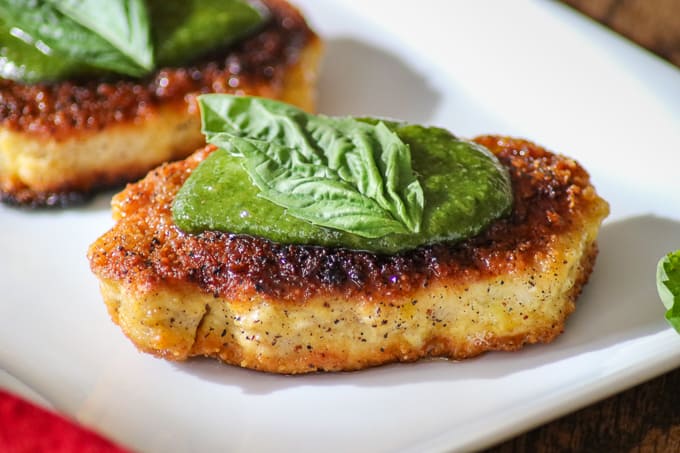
(532, 69)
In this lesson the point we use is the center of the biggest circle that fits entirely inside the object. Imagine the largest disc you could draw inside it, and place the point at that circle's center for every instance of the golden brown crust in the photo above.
(43, 126)
(552, 194)
(293, 309)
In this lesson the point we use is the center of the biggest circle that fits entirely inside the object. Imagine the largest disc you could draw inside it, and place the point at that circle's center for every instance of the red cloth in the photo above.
(25, 427)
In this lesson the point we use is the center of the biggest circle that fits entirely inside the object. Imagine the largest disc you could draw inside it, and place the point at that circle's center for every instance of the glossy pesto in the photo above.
(184, 30)
(465, 188)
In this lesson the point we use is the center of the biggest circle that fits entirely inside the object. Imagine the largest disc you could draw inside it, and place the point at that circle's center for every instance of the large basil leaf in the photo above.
(23, 62)
(123, 23)
(335, 172)
(39, 23)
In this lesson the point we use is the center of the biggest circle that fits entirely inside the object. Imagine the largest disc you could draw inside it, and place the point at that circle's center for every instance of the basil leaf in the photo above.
(123, 23)
(40, 24)
(313, 193)
(22, 61)
(335, 172)
(194, 27)
(668, 286)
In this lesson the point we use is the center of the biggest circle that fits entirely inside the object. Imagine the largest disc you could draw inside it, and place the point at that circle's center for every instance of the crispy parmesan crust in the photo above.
(59, 142)
(296, 309)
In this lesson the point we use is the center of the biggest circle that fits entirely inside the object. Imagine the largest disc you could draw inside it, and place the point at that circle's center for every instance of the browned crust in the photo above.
(277, 62)
(210, 343)
(222, 338)
(296, 309)
(28, 198)
(71, 193)
(553, 195)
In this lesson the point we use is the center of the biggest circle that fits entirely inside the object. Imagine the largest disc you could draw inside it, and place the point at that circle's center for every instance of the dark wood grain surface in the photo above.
(645, 418)
(653, 24)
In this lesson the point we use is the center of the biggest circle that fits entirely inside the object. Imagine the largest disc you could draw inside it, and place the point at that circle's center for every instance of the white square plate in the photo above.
(531, 69)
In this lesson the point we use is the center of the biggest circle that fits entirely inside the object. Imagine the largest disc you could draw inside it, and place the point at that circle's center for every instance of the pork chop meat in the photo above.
(293, 309)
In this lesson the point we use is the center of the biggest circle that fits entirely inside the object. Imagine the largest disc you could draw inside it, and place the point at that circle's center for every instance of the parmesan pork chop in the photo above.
(297, 309)
(61, 141)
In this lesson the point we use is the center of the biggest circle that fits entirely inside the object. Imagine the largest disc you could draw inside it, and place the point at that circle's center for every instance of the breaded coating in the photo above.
(61, 141)
(296, 309)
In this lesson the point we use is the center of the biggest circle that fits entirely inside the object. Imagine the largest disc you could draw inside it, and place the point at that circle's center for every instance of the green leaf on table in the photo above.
(339, 173)
(668, 286)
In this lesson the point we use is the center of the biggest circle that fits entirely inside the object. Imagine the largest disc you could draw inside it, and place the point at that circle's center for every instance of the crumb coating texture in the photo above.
(292, 309)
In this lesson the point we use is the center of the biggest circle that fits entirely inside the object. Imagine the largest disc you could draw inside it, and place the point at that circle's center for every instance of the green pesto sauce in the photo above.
(181, 31)
(194, 27)
(465, 189)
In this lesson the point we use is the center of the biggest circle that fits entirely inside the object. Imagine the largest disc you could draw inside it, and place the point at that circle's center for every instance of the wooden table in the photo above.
(653, 24)
(645, 418)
